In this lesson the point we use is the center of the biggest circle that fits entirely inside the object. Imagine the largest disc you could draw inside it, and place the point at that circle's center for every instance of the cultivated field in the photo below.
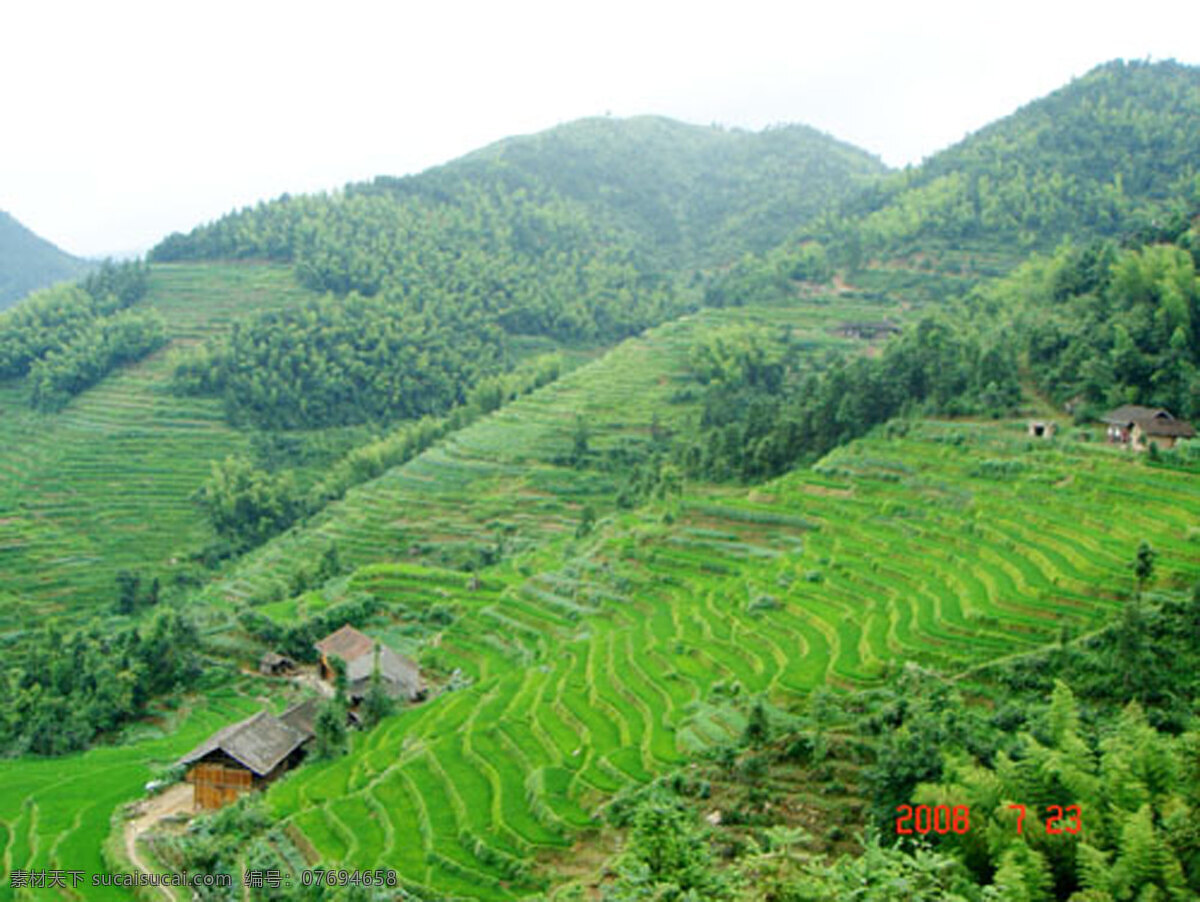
(55, 813)
(595, 660)
(105, 485)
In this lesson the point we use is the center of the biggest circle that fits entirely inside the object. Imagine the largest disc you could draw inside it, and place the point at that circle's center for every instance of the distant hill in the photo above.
(683, 194)
(585, 234)
(702, 194)
(28, 262)
(1110, 154)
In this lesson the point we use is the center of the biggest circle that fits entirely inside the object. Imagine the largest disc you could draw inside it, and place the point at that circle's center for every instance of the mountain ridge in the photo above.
(29, 262)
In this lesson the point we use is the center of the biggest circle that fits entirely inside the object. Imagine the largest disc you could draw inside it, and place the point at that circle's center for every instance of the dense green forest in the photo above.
(67, 338)
(62, 688)
(1107, 155)
(523, 238)
(686, 194)
(423, 297)
(28, 262)
(1109, 325)
(696, 195)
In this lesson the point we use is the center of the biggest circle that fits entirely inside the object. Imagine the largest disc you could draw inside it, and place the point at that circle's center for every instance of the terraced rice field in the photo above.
(501, 480)
(55, 812)
(105, 484)
(594, 660)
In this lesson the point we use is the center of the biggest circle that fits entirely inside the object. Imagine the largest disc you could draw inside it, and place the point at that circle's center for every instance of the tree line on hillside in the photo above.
(67, 338)
(62, 689)
(421, 297)
(1100, 325)
(1107, 325)
(247, 501)
(1106, 155)
(768, 405)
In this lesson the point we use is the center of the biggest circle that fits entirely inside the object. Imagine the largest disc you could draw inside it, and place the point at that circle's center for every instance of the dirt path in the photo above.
(147, 814)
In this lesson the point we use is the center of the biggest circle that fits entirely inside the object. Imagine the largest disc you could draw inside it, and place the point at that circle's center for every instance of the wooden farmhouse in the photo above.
(248, 755)
(1138, 426)
(401, 676)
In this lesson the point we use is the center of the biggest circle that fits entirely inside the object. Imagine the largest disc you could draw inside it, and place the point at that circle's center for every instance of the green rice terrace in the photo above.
(594, 660)
(106, 483)
(502, 482)
(588, 663)
(56, 812)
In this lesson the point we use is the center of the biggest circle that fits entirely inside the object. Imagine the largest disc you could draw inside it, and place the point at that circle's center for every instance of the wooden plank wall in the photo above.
(217, 785)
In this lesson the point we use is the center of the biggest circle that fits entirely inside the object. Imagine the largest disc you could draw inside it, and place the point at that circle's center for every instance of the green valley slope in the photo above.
(106, 484)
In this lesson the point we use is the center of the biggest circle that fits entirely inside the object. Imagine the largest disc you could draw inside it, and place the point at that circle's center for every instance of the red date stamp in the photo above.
(942, 819)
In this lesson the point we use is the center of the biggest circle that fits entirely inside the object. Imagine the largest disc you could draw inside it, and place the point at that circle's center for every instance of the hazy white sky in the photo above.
(124, 121)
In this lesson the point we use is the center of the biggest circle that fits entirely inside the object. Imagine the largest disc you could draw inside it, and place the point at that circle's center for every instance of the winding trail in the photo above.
(147, 815)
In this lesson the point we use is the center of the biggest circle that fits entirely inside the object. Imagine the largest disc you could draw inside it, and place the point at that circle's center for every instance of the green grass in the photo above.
(56, 812)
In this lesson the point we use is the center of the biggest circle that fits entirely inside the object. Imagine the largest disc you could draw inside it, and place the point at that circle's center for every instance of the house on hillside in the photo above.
(400, 675)
(248, 754)
(1138, 426)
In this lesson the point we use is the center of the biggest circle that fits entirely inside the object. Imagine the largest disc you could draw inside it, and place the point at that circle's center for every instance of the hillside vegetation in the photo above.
(691, 465)
(1110, 154)
(433, 274)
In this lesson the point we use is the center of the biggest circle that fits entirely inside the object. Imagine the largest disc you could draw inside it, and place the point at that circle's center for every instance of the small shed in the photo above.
(248, 754)
(1041, 428)
(400, 675)
(868, 331)
(1137, 427)
(275, 664)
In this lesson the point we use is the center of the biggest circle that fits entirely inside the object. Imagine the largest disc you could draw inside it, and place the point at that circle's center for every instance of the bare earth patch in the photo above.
(147, 814)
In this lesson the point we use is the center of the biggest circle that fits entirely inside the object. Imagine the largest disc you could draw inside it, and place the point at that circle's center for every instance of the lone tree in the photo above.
(1143, 565)
(758, 726)
(377, 704)
(329, 729)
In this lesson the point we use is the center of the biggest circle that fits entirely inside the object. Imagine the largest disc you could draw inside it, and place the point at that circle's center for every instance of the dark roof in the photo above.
(1151, 420)
(401, 675)
(302, 716)
(259, 742)
(882, 326)
(347, 643)
(1127, 414)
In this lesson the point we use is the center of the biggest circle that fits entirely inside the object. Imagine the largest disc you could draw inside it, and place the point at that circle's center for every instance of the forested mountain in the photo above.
(699, 194)
(576, 234)
(28, 262)
(1108, 154)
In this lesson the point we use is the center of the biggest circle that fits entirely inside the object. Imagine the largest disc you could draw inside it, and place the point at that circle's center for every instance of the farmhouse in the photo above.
(248, 754)
(401, 676)
(1138, 426)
